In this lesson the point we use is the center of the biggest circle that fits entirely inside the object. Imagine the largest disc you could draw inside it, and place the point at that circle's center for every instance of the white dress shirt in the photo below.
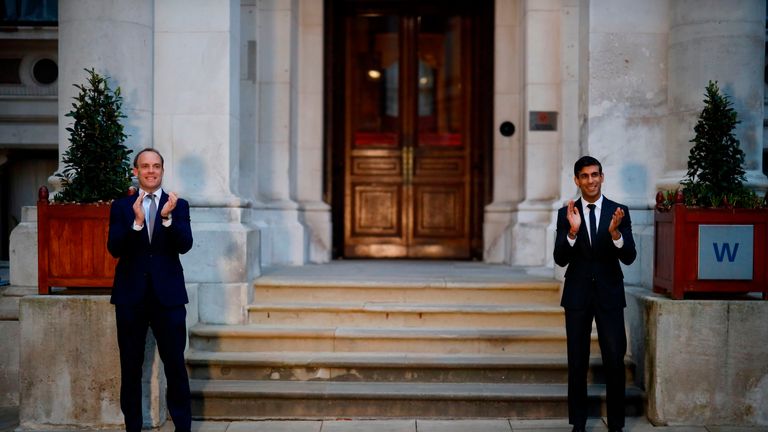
(585, 217)
(158, 193)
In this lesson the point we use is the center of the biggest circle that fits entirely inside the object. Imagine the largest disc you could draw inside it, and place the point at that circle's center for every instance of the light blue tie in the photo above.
(151, 215)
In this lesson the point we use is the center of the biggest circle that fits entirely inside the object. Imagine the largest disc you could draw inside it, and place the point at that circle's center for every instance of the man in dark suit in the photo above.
(592, 247)
(147, 233)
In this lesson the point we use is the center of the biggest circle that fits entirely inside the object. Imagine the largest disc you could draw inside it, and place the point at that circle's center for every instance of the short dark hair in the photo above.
(586, 161)
(136, 159)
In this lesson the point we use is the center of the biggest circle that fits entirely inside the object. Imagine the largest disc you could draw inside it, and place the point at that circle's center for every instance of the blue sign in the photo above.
(726, 252)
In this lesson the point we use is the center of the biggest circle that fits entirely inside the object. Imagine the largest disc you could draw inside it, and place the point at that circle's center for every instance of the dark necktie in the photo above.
(151, 215)
(592, 224)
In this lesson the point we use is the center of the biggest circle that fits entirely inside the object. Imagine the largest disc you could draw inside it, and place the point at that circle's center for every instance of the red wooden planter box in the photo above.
(676, 250)
(72, 245)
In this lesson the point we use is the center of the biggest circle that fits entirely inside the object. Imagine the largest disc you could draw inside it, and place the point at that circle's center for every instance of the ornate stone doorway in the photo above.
(409, 87)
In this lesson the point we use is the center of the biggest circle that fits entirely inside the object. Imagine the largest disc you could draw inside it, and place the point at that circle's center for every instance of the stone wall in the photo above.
(69, 372)
(69, 368)
(703, 362)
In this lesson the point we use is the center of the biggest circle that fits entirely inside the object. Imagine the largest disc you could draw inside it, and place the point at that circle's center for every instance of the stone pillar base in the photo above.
(225, 246)
(282, 235)
(532, 244)
(23, 251)
(224, 303)
(533, 235)
(497, 231)
(316, 217)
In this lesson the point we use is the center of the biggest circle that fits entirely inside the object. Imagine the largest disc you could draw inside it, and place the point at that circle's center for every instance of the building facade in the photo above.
(268, 131)
(303, 131)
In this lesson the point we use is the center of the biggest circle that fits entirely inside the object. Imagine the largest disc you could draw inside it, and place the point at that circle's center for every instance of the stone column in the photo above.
(196, 98)
(507, 153)
(277, 60)
(284, 136)
(626, 96)
(624, 109)
(542, 53)
(307, 136)
(197, 128)
(574, 46)
(711, 41)
(116, 39)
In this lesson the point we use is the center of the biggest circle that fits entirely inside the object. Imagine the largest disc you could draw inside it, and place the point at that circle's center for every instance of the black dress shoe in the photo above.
(578, 429)
(615, 430)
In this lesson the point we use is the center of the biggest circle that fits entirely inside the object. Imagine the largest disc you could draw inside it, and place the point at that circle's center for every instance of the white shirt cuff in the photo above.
(620, 242)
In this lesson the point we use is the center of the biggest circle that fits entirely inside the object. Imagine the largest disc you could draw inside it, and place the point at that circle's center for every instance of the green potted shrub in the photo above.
(72, 231)
(700, 228)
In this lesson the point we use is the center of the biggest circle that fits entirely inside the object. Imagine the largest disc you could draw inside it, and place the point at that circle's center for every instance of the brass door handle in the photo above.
(407, 156)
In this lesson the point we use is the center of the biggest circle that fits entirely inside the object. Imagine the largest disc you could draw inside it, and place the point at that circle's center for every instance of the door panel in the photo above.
(439, 211)
(375, 207)
(378, 209)
(441, 156)
(407, 133)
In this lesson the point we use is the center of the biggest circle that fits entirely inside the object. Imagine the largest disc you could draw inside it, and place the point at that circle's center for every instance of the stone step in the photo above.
(260, 338)
(433, 291)
(387, 367)
(220, 399)
(381, 314)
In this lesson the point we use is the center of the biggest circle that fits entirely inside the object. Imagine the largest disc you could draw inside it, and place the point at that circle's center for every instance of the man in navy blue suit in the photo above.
(147, 232)
(592, 247)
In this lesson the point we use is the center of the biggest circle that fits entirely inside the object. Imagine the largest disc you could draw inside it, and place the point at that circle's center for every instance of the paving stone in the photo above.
(650, 428)
(539, 423)
(555, 425)
(484, 425)
(369, 426)
(737, 429)
(276, 426)
(203, 426)
(641, 424)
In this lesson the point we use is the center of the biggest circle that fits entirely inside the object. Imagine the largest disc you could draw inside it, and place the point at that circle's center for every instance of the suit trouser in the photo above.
(613, 347)
(168, 324)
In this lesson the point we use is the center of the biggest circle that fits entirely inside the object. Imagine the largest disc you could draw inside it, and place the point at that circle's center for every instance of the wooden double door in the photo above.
(413, 163)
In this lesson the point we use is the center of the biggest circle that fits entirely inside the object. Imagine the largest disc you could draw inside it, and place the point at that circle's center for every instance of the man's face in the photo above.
(589, 181)
(149, 171)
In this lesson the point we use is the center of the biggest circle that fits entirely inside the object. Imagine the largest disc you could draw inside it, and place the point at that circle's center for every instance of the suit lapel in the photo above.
(606, 213)
(161, 203)
(158, 219)
(583, 232)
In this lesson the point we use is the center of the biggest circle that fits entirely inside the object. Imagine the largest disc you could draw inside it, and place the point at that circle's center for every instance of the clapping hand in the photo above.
(613, 228)
(173, 198)
(138, 209)
(574, 218)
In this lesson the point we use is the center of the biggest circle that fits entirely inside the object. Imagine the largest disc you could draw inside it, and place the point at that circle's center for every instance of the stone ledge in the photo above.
(19, 291)
(704, 359)
(69, 368)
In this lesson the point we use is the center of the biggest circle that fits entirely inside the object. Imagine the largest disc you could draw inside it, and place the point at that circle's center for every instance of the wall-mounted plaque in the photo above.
(542, 120)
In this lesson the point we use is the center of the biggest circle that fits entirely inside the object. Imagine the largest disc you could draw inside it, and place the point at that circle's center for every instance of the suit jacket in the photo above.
(140, 262)
(594, 272)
